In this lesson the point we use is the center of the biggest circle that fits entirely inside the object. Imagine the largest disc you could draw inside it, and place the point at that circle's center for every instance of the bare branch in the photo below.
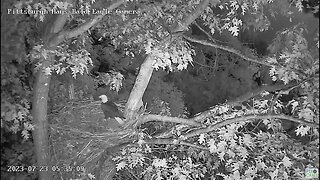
(257, 91)
(86, 26)
(208, 34)
(226, 48)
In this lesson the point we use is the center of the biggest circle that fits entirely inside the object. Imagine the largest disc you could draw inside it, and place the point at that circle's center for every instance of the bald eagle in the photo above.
(111, 111)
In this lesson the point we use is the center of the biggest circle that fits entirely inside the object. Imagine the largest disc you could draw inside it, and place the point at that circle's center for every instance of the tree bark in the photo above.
(39, 112)
(146, 68)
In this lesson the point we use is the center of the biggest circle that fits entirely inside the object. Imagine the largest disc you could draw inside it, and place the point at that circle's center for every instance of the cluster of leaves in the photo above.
(177, 56)
(143, 31)
(16, 117)
(150, 163)
(245, 14)
(112, 79)
(18, 34)
(76, 61)
(296, 63)
(236, 153)
(238, 150)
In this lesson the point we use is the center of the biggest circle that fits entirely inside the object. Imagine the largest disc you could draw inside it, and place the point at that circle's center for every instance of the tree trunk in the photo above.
(40, 133)
(53, 35)
(53, 25)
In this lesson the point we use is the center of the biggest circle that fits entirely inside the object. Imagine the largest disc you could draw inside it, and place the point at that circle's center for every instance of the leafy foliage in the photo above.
(257, 150)
(243, 141)
(77, 61)
(16, 73)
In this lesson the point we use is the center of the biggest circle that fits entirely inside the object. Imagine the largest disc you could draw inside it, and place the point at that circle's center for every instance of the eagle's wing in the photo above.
(111, 110)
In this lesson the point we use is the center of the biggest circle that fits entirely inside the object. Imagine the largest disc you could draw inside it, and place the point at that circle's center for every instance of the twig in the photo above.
(203, 65)
(82, 149)
(209, 36)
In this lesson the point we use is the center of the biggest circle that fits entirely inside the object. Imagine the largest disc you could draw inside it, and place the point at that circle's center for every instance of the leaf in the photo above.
(47, 71)
(182, 177)
(307, 114)
(25, 134)
(247, 140)
(286, 161)
(301, 130)
(212, 147)
(91, 176)
(140, 142)
(236, 175)
(121, 165)
(201, 139)
(159, 162)
(234, 30)
(294, 105)
(274, 174)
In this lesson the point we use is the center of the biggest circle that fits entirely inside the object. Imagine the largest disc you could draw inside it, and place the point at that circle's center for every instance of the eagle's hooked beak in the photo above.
(103, 98)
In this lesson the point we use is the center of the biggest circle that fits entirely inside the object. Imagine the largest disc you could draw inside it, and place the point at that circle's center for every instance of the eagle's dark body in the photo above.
(111, 110)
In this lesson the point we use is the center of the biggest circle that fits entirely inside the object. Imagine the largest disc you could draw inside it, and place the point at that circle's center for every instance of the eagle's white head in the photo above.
(103, 98)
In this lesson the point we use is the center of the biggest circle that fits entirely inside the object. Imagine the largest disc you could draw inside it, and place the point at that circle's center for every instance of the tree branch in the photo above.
(205, 32)
(154, 117)
(63, 35)
(194, 146)
(257, 91)
(191, 17)
(247, 118)
(226, 48)
(170, 141)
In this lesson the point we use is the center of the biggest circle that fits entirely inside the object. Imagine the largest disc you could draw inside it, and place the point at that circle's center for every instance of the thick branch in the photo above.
(194, 121)
(247, 118)
(226, 48)
(153, 117)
